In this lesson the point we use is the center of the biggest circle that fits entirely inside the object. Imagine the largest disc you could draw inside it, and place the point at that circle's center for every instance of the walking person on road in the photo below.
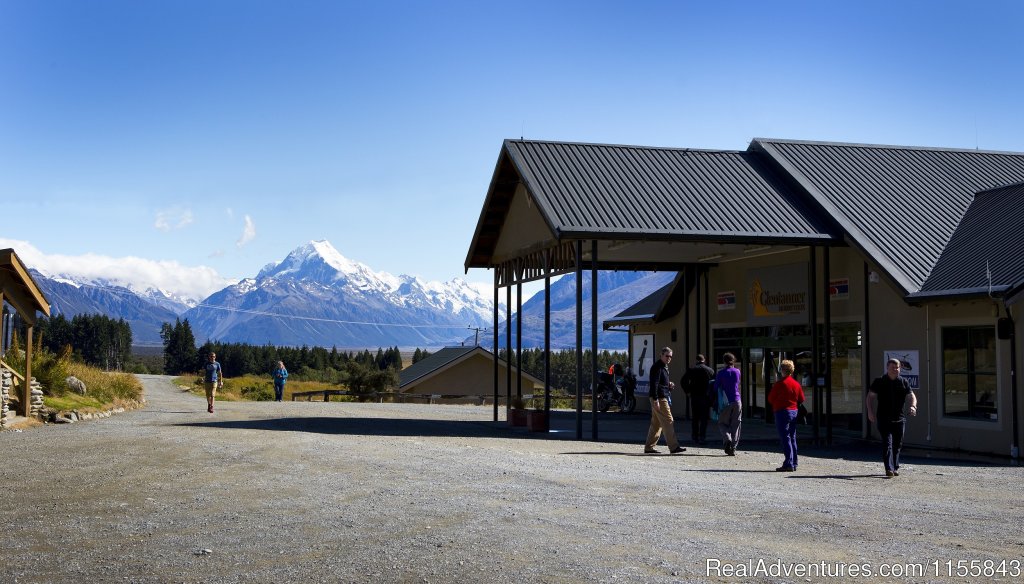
(695, 384)
(785, 398)
(280, 376)
(730, 415)
(213, 378)
(889, 393)
(661, 406)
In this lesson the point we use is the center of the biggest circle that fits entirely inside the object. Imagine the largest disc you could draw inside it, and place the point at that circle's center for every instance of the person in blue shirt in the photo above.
(280, 376)
(213, 378)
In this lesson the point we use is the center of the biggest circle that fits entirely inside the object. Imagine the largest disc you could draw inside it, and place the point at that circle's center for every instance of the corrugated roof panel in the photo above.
(990, 238)
(598, 188)
(901, 204)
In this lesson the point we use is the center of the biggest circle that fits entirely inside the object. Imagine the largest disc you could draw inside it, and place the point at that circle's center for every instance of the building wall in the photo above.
(892, 326)
(473, 376)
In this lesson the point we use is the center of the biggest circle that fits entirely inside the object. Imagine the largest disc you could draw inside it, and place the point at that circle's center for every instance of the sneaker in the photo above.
(677, 450)
(651, 451)
(209, 409)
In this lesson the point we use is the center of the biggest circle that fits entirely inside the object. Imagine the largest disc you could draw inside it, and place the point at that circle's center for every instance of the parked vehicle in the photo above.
(616, 388)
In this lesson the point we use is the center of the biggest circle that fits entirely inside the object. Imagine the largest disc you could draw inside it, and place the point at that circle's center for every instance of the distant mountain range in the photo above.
(617, 291)
(317, 297)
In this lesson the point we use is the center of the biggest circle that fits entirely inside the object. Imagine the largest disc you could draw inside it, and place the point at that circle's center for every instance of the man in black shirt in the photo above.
(695, 384)
(889, 393)
(661, 406)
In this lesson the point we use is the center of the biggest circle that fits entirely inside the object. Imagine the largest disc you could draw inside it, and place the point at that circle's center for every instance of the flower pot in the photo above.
(516, 417)
(537, 421)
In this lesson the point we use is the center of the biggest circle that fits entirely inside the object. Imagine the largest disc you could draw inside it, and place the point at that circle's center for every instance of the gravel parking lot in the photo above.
(346, 492)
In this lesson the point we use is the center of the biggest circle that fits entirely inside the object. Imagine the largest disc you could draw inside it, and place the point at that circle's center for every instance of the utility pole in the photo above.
(476, 337)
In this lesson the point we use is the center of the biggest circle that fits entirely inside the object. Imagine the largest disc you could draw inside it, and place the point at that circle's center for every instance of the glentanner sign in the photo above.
(777, 295)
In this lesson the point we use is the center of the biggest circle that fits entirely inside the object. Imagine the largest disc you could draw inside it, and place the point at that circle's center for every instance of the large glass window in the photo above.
(969, 372)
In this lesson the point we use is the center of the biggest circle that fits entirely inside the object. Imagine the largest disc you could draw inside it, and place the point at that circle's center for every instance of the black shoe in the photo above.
(889, 474)
(895, 473)
(677, 450)
(785, 469)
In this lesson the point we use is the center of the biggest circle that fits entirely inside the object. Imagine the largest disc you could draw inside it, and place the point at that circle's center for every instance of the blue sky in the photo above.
(209, 138)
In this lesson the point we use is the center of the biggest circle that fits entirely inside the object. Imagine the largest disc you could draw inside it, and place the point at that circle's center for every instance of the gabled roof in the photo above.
(988, 241)
(19, 289)
(900, 205)
(604, 191)
(443, 359)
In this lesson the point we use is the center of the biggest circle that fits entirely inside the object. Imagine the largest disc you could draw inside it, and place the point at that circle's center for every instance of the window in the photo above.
(969, 372)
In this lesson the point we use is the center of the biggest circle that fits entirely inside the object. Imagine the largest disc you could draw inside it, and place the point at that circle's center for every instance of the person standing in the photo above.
(695, 384)
(280, 376)
(213, 378)
(785, 398)
(886, 398)
(730, 415)
(661, 406)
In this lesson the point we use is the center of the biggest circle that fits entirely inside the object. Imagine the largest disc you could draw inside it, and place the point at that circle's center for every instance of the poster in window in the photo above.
(910, 365)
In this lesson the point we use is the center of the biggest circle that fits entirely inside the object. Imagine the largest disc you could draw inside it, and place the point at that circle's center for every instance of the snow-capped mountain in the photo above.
(617, 291)
(317, 296)
(71, 298)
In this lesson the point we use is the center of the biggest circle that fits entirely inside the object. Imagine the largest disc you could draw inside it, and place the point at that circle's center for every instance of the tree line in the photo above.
(95, 339)
(362, 370)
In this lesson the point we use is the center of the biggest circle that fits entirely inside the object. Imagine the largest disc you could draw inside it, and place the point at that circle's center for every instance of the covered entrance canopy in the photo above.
(555, 207)
(18, 289)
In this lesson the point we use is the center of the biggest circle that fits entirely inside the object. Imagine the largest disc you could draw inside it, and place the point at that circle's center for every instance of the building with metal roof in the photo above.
(837, 255)
(456, 371)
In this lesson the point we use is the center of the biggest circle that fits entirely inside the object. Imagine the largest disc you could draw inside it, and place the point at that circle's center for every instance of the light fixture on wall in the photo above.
(873, 277)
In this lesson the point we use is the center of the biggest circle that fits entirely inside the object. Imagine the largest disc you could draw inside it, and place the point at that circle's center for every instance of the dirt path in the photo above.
(313, 492)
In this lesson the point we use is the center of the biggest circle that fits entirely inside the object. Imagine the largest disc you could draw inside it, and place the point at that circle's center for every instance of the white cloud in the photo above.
(173, 218)
(195, 282)
(248, 233)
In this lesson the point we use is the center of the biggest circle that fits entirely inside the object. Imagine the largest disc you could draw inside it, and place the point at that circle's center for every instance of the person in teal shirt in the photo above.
(280, 376)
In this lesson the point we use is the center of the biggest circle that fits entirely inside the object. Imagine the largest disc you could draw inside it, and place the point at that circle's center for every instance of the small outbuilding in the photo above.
(460, 372)
(20, 292)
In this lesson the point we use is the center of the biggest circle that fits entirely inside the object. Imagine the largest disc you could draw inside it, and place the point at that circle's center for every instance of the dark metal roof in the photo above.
(432, 363)
(609, 189)
(664, 302)
(900, 205)
(988, 240)
(603, 191)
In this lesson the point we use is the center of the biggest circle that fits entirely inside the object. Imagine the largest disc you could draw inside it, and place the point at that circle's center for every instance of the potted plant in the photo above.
(537, 420)
(517, 412)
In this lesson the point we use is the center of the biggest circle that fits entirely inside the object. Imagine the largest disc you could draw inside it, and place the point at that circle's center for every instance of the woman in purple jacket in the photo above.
(730, 415)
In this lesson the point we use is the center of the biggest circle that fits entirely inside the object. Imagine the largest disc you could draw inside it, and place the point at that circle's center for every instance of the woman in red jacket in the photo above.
(785, 398)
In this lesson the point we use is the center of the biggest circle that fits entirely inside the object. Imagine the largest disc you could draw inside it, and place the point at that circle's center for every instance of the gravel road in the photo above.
(340, 492)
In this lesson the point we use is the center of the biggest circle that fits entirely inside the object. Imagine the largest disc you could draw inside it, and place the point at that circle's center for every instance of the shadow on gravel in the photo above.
(841, 477)
(358, 426)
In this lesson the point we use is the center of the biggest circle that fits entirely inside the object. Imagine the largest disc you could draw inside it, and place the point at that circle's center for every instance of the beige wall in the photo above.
(524, 227)
(473, 376)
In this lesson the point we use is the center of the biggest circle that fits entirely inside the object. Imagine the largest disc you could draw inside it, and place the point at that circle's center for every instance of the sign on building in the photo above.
(777, 295)
(644, 354)
(910, 365)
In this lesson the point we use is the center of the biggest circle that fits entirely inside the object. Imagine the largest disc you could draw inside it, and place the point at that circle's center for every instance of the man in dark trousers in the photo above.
(889, 393)
(695, 384)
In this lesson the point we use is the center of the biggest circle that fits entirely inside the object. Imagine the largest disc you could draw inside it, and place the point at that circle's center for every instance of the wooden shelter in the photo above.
(19, 290)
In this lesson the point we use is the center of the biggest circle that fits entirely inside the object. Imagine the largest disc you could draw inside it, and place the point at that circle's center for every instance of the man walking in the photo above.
(213, 378)
(889, 393)
(695, 384)
(661, 406)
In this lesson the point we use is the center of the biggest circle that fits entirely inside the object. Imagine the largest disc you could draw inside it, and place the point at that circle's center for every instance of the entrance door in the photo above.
(763, 371)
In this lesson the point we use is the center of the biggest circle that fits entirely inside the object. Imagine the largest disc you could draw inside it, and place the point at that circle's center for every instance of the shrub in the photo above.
(258, 392)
